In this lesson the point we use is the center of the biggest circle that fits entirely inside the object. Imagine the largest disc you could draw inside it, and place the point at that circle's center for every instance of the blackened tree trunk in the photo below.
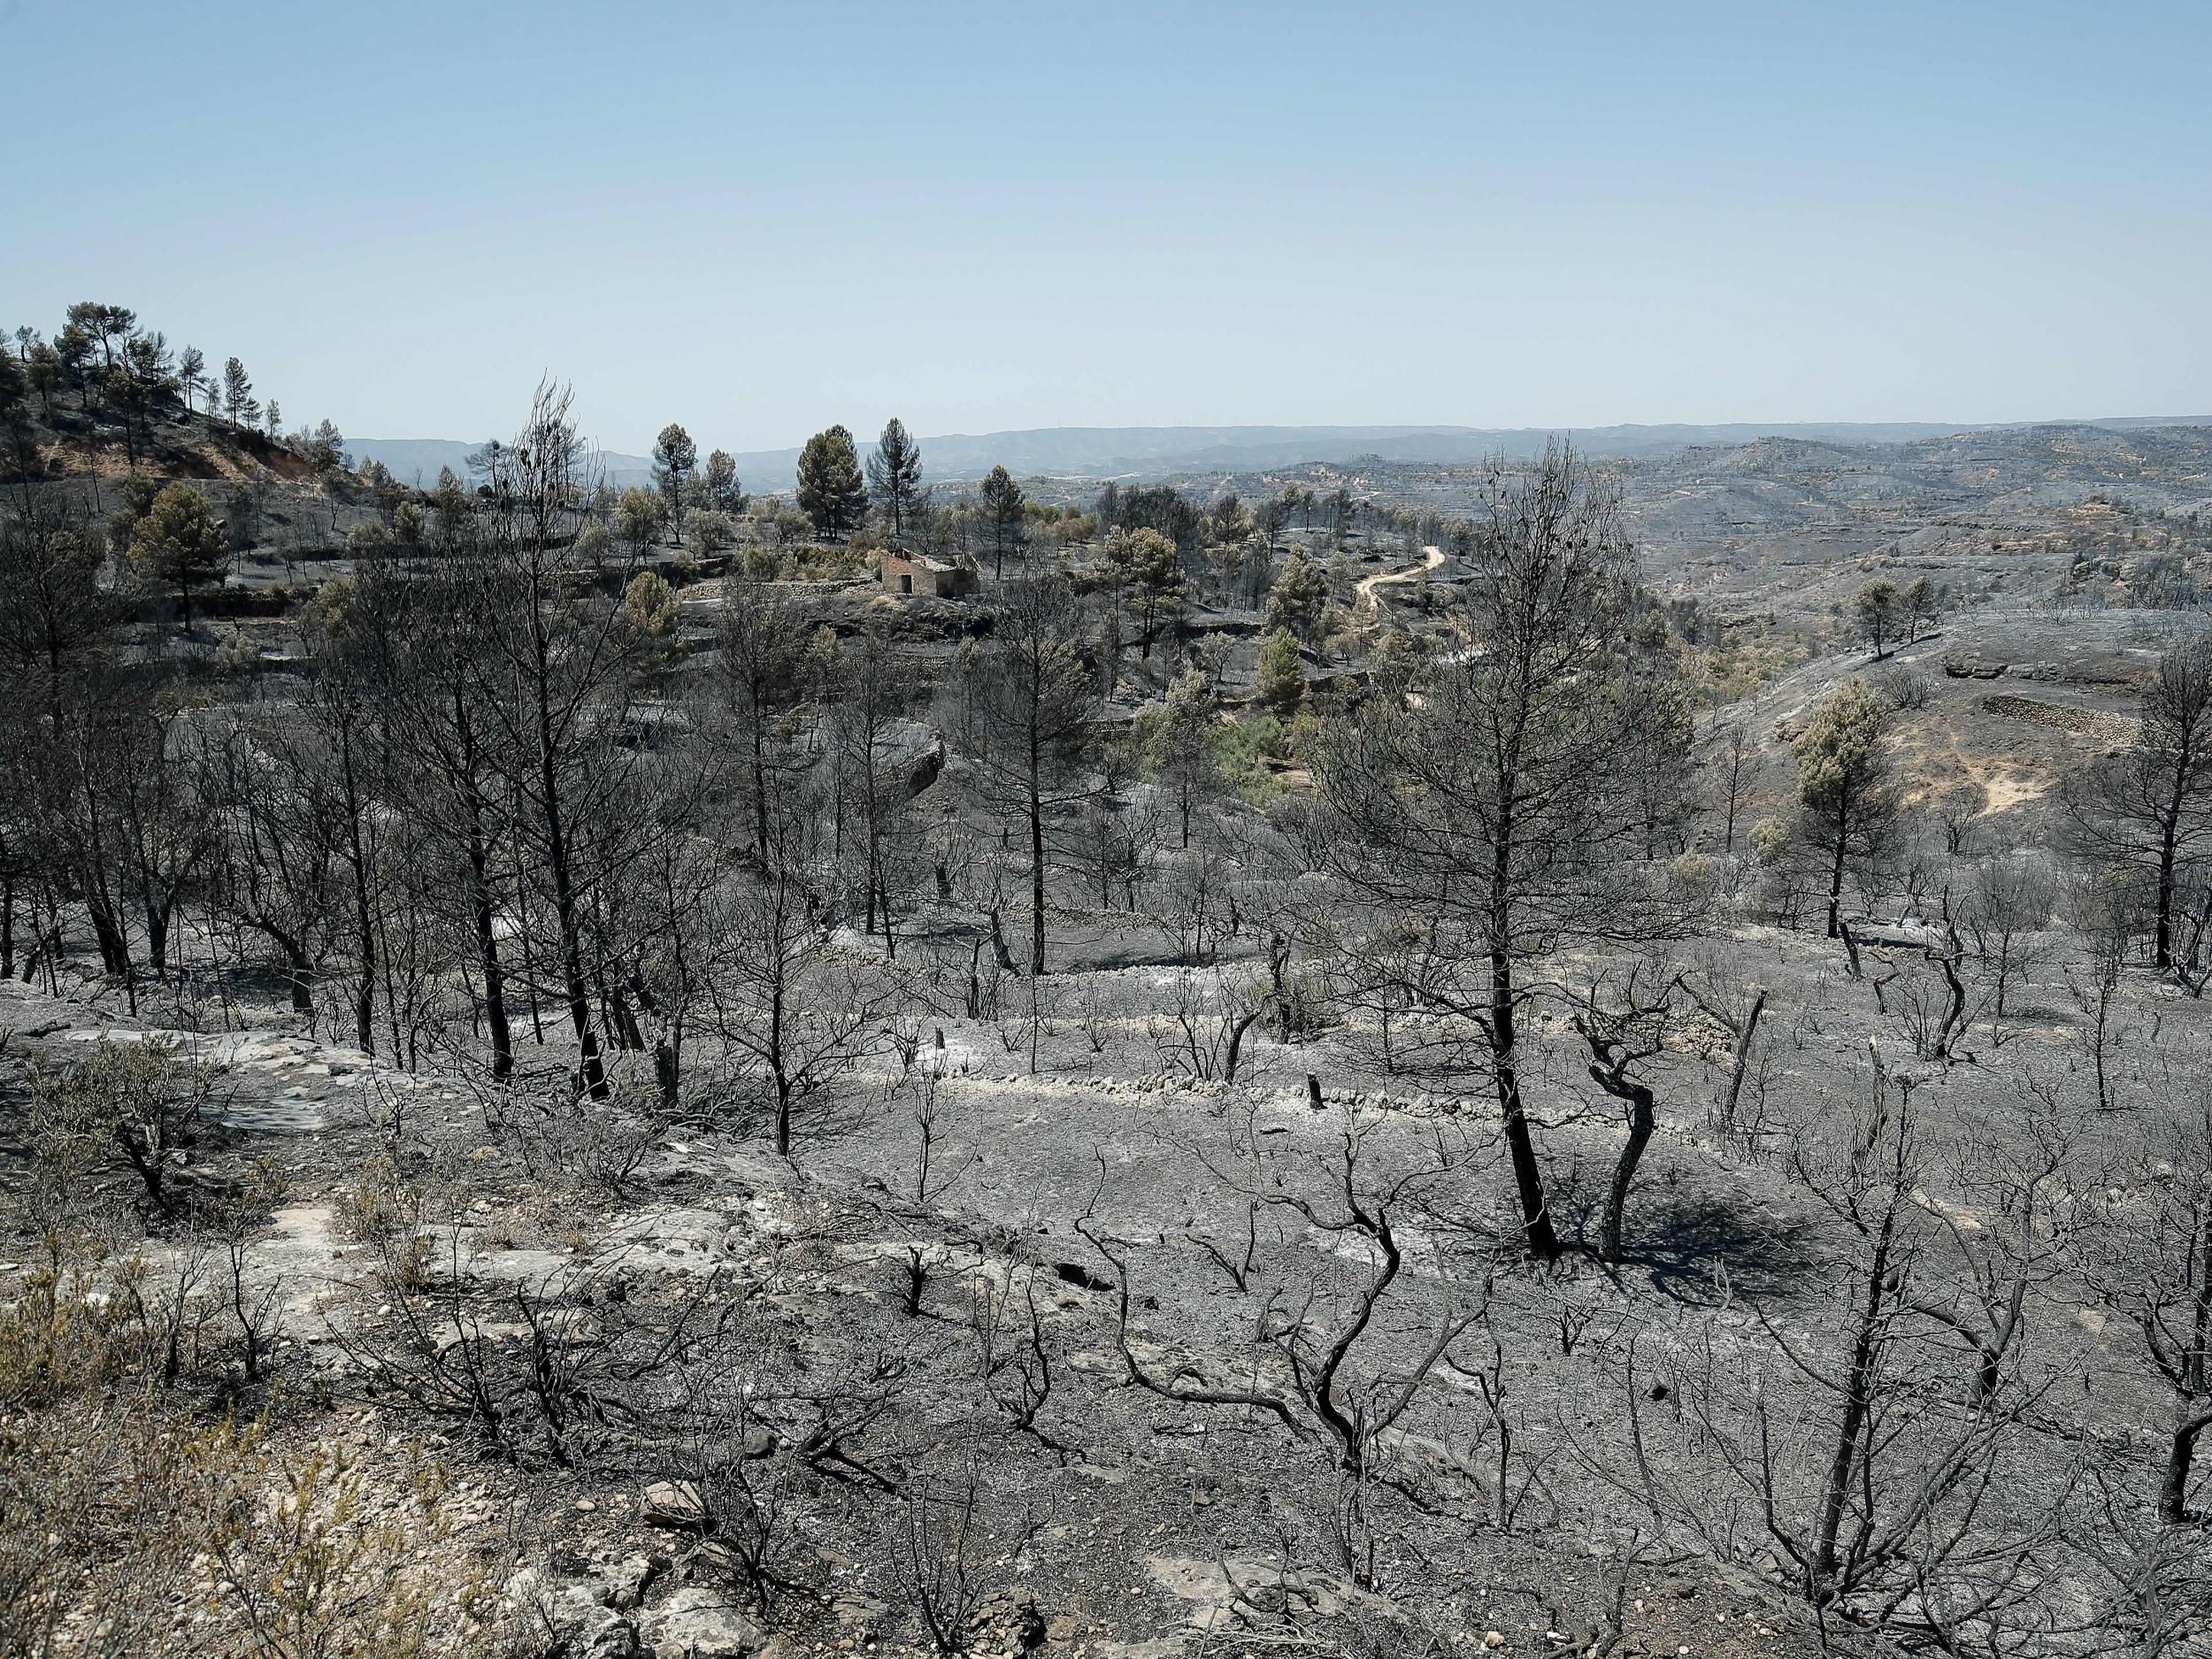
(1835, 873)
(158, 914)
(488, 956)
(1848, 1458)
(299, 976)
(2169, 839)
(575, 983)
(2181, 1450)
(115, 950)
(359, 859)
(1741, 1062)
(1528, 1174)
(1036, 855)
(1643, 1121)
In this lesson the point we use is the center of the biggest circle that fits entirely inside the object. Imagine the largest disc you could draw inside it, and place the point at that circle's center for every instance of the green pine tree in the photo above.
(1281, 683)
(832, 492)
(1842, 778)
(674, 459)
(1144, 567)
(1300, 598)
(894, 475)
(1003, 509)
(180, 543)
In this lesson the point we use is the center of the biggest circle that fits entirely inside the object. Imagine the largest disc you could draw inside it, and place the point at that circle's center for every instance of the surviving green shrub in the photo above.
(1770, 840)
(129, 1105)
(384, 1210)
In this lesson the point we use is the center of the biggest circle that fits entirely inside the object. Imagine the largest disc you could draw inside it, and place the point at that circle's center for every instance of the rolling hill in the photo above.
(1157, 452)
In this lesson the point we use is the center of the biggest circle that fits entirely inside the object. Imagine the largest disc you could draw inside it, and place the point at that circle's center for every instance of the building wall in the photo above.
(906, 576)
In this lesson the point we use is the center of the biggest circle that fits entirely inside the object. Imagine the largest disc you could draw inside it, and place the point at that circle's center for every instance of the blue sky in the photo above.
(760, 220)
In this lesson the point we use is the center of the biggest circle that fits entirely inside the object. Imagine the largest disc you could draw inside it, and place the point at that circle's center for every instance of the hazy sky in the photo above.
(758, 220)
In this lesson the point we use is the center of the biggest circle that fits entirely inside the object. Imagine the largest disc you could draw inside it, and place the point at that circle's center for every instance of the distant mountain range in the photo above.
(1158, 452)
(419, 460)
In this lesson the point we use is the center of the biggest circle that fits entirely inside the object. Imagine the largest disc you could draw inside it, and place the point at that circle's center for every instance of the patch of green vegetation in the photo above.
(1244, 748)
(1732, 670)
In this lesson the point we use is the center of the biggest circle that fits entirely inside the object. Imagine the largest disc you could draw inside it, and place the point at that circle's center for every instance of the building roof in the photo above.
(920, 561)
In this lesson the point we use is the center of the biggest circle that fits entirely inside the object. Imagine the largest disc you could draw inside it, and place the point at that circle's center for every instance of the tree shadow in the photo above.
(1701, 1248)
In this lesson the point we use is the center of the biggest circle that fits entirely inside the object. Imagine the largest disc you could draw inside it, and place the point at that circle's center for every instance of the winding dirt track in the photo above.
(1431, 558)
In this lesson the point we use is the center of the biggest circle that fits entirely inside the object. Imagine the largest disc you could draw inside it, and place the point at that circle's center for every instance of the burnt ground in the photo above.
(1505, 1500)
(919, 1374)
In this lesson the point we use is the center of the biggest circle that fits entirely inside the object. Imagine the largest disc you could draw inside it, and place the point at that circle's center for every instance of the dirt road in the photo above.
(1431, 558)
